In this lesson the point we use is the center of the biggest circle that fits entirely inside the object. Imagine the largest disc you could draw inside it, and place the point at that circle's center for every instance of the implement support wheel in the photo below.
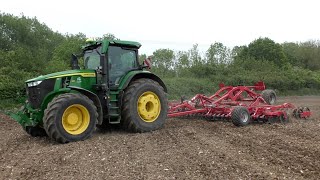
(269, 96)
(240, 116)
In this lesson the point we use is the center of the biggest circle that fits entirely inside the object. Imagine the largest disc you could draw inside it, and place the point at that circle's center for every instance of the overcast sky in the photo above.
(178, 24)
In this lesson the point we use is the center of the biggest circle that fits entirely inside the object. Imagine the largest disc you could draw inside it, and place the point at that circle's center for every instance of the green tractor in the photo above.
(113, 88)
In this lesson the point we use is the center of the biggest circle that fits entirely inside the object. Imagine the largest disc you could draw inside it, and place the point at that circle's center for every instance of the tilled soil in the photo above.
(183, 149)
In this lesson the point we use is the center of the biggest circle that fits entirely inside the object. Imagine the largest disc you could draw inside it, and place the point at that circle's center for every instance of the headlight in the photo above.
(34, 83)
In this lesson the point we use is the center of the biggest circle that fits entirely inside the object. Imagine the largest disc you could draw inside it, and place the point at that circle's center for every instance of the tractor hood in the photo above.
(77, 72)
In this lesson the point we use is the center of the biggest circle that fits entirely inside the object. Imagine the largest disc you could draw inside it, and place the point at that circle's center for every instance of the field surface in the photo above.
(183, 149)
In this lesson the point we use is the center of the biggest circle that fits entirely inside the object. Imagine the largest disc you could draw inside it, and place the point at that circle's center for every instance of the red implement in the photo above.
(240, 104)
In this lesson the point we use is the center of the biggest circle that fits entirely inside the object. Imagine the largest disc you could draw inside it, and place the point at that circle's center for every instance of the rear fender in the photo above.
(134, 76)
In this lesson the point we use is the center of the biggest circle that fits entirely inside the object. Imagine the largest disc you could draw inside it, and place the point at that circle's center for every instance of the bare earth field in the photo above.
(183, 149)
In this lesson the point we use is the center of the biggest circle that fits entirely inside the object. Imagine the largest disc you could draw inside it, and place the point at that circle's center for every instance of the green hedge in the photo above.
(188, 87)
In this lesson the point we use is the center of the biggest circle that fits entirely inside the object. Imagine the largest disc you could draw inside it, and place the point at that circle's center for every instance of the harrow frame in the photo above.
(223, 103)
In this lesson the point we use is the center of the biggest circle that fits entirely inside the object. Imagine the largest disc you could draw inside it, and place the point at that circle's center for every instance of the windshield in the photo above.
(92, 58)
(121, 61)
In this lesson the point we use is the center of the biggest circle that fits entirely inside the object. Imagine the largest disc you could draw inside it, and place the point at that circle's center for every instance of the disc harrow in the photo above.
(240, 104)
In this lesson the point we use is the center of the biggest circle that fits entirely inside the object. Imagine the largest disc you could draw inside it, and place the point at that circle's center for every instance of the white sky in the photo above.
(178, 24)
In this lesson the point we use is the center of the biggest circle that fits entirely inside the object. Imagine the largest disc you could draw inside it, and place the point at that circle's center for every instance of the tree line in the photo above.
(287, 67)
(29, 48)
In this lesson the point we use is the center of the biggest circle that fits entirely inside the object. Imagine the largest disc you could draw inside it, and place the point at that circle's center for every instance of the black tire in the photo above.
(35, 131)
(269, 96)
(240, 116)
(131, 118)
(55, 124)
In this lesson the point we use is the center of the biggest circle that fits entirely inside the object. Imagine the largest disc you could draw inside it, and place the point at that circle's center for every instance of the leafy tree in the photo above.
(309, 54)
(109, 36)
(162, 61)
(183, 59)
(194, 55)
(62, 53)
(264, 49)
(142, 57)
(305, 54)
(199, 66)
(291, 51)
(218, 54)
(236, 52)
(26, 47)
(182, 63)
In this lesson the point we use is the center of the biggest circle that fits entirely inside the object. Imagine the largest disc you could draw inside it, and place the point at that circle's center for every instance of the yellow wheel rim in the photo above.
(149, 106)
(75, 119)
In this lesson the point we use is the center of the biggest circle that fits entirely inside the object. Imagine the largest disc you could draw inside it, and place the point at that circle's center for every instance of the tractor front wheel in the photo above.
(144, 106)
(70, 117)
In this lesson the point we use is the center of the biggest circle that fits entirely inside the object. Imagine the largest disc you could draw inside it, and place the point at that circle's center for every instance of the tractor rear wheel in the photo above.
(144, 106)
(70, 117)
(269, 96)
(240, 116)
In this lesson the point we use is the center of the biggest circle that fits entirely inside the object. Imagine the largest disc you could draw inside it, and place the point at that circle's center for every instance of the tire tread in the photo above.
(51, 111)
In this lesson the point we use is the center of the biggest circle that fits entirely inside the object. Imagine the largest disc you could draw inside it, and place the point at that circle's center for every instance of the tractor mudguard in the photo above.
(134, 75)
(94, 98)
(69, 89)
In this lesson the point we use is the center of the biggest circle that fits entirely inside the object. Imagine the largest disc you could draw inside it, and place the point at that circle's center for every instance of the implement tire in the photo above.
(269, 96)
(240, 116)
(144, 106)
(70, 117)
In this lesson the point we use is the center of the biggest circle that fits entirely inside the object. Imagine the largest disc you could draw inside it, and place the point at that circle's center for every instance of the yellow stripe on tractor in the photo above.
(75, 74)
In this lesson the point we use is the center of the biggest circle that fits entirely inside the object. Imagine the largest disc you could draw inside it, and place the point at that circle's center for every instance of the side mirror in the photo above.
(74, 62)
(147, 62)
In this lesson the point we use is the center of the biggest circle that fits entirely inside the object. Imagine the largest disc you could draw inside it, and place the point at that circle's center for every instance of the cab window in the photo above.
(92, 59)
(120, 62)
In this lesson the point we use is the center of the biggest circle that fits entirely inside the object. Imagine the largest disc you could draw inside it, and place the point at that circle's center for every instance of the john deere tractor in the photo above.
(113, 88)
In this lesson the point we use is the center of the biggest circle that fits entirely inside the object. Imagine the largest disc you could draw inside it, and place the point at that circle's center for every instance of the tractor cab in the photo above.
(113, 62)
